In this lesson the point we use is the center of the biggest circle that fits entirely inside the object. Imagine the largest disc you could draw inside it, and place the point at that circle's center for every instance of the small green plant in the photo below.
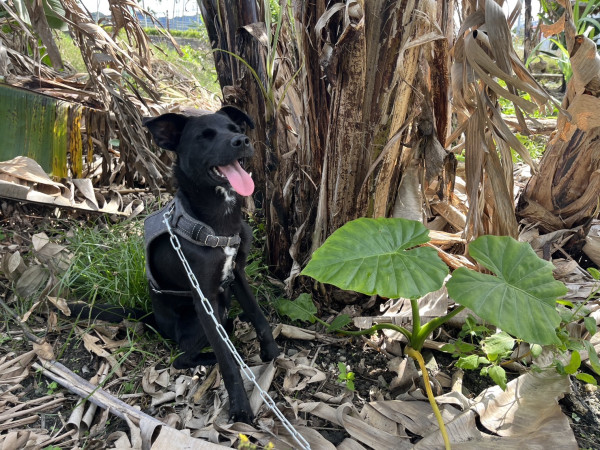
(128, 387)
(571, 313)
(52, 388)
(387, 257)
(585, 24)
(346, 376)
(490, 351)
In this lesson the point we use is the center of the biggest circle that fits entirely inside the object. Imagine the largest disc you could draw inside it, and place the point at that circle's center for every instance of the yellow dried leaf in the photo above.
(61, 304)
(553, 28)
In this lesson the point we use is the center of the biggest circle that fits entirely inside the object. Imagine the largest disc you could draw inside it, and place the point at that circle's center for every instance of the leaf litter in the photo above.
(389, 409)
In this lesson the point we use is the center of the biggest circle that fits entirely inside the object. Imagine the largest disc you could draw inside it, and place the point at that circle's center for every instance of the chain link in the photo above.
(225, 338)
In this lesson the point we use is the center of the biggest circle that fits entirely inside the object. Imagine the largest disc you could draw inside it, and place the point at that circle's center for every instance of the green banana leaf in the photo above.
(41, 127)
(52, 8)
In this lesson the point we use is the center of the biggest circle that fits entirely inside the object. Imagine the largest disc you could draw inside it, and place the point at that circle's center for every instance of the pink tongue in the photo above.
(239, 179)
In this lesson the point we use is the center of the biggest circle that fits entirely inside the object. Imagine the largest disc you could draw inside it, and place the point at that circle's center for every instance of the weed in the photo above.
(196, 31)
(108, 265)
(346, 376)
(52, 388)
(69, 52)
(257, 268)
(535, 145)
(199, 64)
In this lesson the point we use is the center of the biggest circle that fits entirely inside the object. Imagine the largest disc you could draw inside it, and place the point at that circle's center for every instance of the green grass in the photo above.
(70, 52)
(108, 265)
(198, 63)
(192, 33)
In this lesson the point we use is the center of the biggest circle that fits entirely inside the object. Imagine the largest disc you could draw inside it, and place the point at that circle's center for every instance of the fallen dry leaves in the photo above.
(190, 407)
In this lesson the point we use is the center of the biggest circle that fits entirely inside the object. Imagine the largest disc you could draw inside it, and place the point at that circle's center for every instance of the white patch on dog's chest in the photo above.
(229, 198)
(228, 265)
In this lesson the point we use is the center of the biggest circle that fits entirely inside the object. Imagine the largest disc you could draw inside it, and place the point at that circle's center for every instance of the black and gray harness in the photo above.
(188, 228)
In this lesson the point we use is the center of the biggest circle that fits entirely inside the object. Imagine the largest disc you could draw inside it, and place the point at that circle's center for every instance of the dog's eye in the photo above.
(209, 133)
(233, 128)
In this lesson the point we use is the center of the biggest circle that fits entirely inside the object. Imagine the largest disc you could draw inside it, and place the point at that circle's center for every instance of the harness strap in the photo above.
(196, 231)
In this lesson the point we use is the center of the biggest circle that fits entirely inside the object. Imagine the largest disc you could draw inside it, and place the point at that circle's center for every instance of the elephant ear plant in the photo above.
(387, 257)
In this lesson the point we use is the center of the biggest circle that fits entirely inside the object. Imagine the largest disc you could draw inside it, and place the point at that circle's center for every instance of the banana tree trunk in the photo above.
(564, 194)
(344, 83)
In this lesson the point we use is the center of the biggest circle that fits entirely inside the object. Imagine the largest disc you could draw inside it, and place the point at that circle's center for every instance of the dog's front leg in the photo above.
(243, 294)
(239, 406)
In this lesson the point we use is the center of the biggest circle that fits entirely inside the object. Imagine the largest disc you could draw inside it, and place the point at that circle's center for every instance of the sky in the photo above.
(190, 7)
(159, 7)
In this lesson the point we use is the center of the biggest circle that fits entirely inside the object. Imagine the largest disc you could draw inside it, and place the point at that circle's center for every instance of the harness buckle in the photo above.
(215, 241)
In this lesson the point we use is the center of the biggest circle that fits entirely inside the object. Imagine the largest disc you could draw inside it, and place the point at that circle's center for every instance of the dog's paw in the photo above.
(241, 412)
(242, 416)
(269, 351)
(181, 364)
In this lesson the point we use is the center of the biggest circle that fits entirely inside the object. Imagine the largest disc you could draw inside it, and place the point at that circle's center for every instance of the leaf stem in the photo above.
(416, 355)
(376, 327)
(424, 331)
(416, 320)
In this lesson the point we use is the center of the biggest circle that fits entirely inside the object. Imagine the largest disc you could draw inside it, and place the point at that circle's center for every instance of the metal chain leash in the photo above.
(225, 338)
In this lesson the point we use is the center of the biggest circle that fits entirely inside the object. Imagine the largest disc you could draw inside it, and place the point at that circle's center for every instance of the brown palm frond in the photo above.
(122, 75)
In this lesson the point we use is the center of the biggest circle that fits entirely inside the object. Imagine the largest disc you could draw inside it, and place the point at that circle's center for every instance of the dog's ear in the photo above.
(238, 116)
(166, 129)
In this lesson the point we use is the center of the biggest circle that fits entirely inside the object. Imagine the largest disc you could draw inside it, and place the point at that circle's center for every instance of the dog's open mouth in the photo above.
(239, 179)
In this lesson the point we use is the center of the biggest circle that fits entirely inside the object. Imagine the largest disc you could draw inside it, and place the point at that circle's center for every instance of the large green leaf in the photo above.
(520, 299)
(53, 10)
(371, 256)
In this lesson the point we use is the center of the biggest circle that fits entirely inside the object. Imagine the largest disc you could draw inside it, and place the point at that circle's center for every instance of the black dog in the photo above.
(207, 217)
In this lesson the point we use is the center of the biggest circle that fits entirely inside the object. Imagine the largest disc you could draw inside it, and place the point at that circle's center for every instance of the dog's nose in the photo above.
(240, 141)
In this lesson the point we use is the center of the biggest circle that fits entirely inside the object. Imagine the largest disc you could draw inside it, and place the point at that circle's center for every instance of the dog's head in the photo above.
(209, 147)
